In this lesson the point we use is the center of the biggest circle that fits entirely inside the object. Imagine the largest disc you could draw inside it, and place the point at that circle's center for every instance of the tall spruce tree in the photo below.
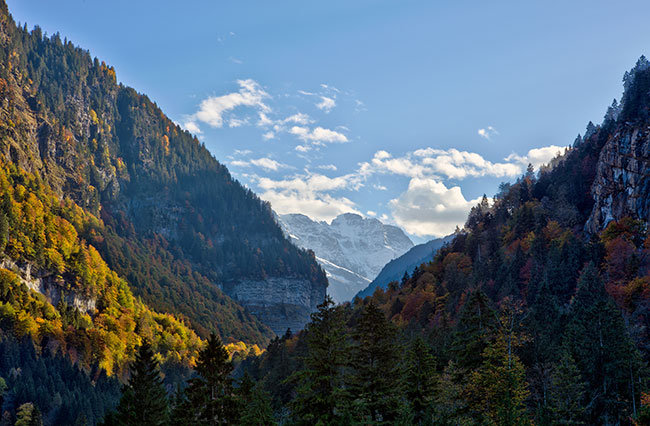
(144, 399)
(474, 330)
(209, 399)
(419, 381)
(321, 396)
(602, 348)
(374, 381)
(566, 399)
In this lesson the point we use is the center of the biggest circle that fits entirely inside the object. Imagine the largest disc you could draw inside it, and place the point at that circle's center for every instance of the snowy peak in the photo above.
(352, 249)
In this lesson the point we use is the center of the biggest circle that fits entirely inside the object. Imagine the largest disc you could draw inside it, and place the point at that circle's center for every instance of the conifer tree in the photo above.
(320, 392)
(144, 399)
(209, 399)
(498, 389)
(567, 393)
(257, 409)
(375, 360)
(602, 349)
(475, 329)
(419, 380)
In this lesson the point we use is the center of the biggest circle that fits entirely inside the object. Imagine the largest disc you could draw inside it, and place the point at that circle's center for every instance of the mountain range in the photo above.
(351, 249)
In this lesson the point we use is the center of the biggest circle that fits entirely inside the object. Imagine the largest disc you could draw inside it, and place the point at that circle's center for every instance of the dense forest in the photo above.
(531, 315)
(175, 224)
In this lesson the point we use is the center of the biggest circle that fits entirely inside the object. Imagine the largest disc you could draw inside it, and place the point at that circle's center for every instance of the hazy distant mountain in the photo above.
(351, 249)
(394, 270)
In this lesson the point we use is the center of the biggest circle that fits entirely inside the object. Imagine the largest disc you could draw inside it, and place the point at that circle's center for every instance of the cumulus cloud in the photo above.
(265, 163)
(429, 208)
(487, 132)
(455, 164)
(192, 127)
(326, 104)
(318, 135)
(268, 136)
(212, 110)
(537, 156)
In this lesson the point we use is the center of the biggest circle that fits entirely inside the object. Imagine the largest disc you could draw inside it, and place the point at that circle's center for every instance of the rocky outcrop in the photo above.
(622, 181)
(44, 284)
(280, 303)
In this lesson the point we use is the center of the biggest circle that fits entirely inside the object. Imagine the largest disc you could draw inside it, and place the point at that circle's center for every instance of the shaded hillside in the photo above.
(405, 264)
(537, 313)
(176, 224)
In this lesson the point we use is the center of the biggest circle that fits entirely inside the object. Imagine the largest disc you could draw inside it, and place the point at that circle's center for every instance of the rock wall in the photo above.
(280, 303)
(622, 182)
(45, 285)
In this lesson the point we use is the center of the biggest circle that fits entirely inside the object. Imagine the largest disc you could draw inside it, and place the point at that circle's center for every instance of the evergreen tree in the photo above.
(144, 399)
(450, 405)
(375, 361)
(28, 415)
(567, 393)
(475, 329)
(498, 389)
(209, 399)
(320, 391)
(602, 349)
(419, 380)
(257, 410)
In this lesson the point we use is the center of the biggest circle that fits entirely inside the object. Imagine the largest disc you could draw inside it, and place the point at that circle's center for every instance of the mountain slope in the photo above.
(177, 225)
(406, 263)
(352, 250)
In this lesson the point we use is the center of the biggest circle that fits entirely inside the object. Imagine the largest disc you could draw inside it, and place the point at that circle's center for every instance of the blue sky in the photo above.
(404, 110)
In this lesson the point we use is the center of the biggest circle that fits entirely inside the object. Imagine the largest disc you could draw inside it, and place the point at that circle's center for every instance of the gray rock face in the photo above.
(352, 249)
(622, 181)
(280, 303)
(49, 288)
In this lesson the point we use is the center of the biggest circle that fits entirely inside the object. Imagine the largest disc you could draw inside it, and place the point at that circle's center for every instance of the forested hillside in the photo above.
(175, 224)
(533, 314)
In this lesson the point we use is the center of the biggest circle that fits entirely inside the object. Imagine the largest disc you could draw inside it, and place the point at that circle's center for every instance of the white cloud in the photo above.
(237, 122)
(326, 104)
(211, 110)
(537, 156)
(487, 132)
(371, 213)
(268, 136)
(319, 135)
(454, 164)
(429, 208)
(265, 163)
(268, 164)
(298, 118)
(192, 127)
(331, 167)
(316, 206)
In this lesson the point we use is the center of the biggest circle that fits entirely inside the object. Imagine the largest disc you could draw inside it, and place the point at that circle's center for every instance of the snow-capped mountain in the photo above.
(352, 249)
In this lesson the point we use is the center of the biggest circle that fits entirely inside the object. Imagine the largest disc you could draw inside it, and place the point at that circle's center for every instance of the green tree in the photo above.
(475, 329)
(257, 409)
(144, 399)
(600, 344)
(28, 415)
(375, 360)
(498, 389)
(209, 399)
(419, 380)
(567, 393)
(320, 394)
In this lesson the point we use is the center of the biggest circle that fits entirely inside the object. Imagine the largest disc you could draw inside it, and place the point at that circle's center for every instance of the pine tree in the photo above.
(144, 399)
(28, 415)
(209, 399)
(257, 410)
(567, 393)
(450, 406)
(475, 329)
(498, 389)
(320, 391)
(602, 348)
(419, 380)
(375, 360)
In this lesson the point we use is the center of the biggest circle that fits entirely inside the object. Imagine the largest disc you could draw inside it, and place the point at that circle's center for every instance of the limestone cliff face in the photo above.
(280, 303)
(622, 183)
